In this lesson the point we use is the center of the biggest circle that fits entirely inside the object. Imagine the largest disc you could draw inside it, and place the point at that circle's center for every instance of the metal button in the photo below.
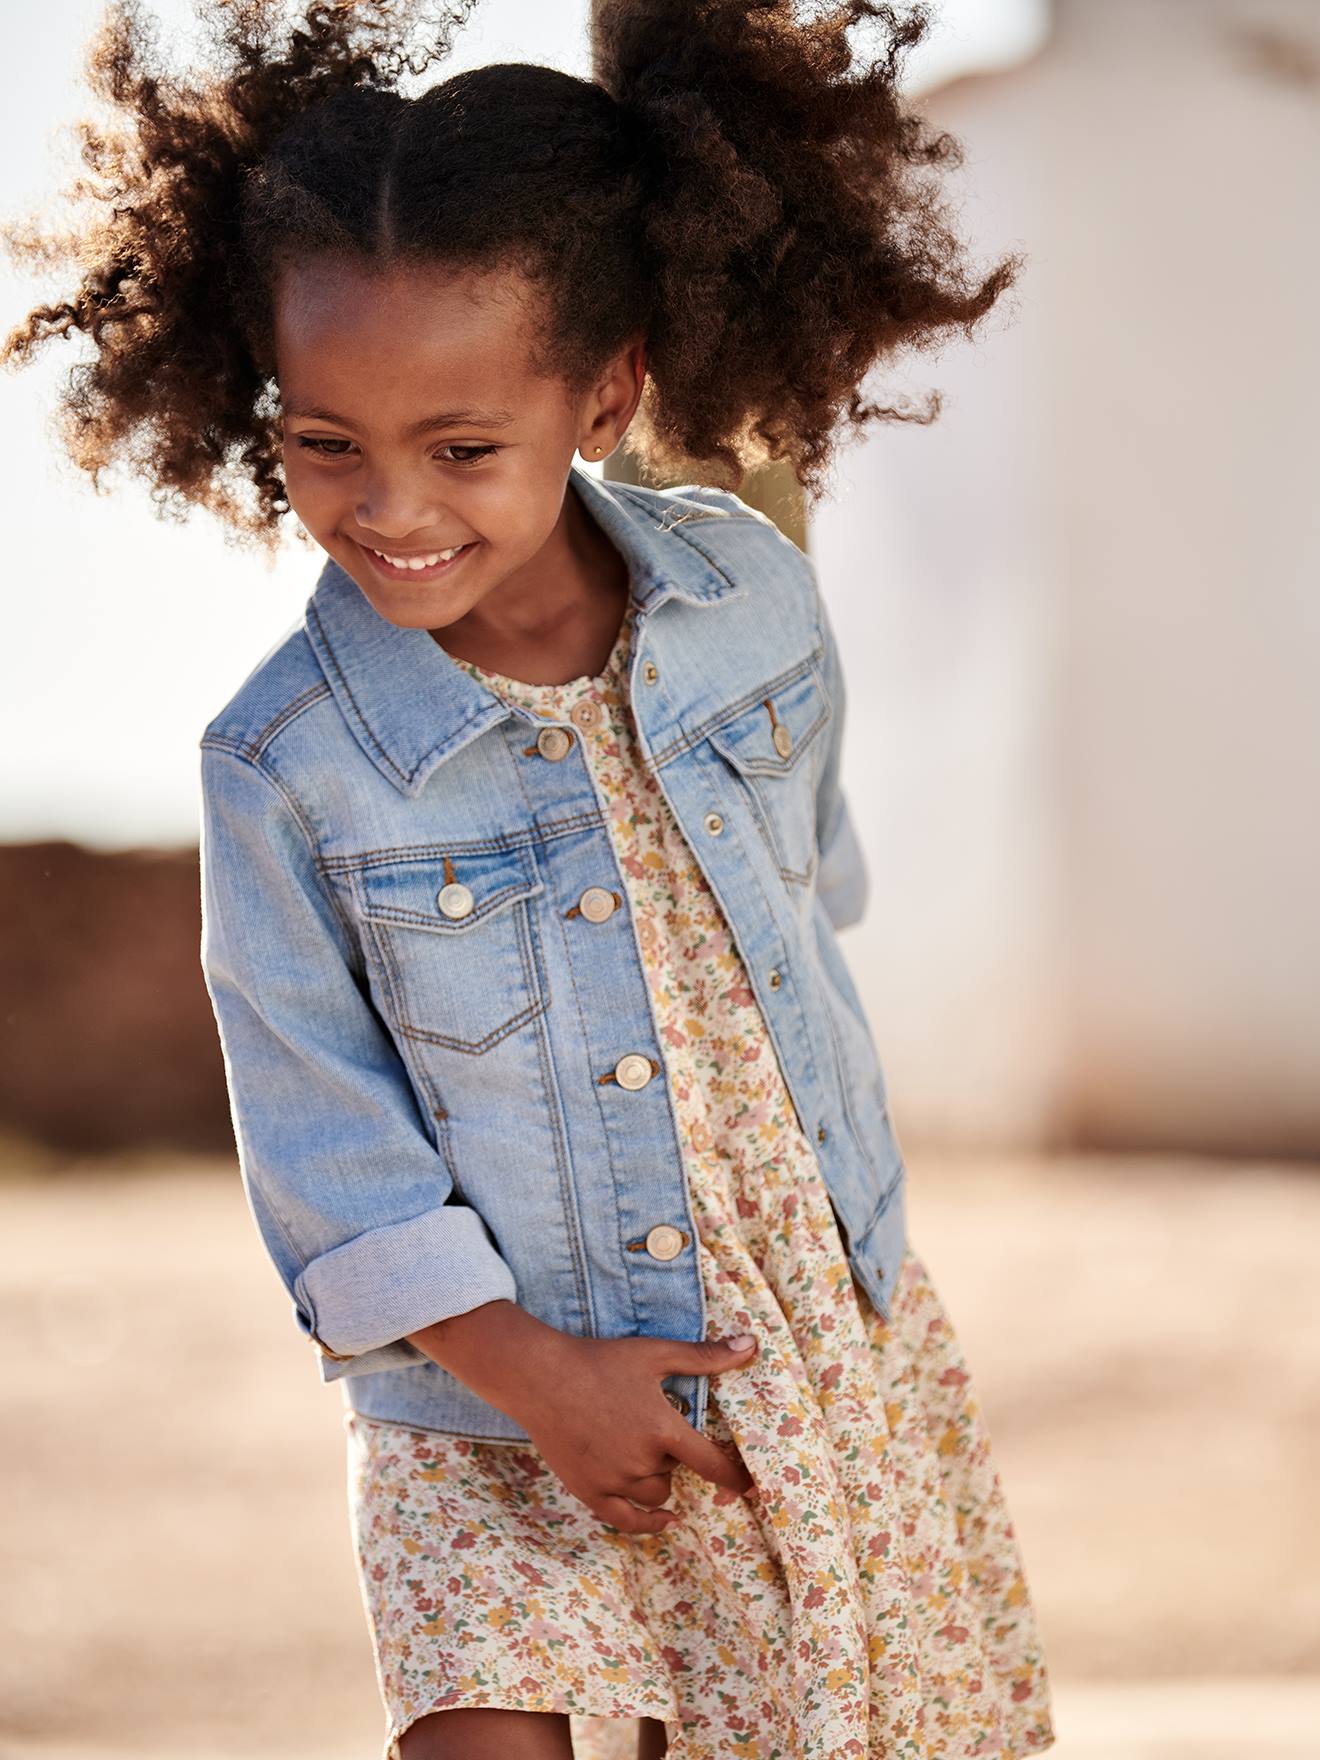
(677, 1400)
(650, 671)
(633, 1070)
(776, 979)
(596, 904)
(821, 1133)
(783, 739)
(713, 823)
(664, 1241)
(553, 742)
(455, 900)
(586, 713)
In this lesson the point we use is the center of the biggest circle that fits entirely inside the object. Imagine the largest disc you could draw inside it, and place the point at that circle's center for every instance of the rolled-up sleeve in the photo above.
(352, 1198)
(842, 880)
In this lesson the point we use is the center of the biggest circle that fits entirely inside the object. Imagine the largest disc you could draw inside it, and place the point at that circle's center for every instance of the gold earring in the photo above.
(598, 449)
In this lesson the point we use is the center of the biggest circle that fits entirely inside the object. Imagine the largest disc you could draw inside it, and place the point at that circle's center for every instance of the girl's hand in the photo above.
(592, 1406)
(599, 1417)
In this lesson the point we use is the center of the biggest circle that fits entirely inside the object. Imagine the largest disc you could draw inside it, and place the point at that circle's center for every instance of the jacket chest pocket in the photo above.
(455, 940)
(775, 747)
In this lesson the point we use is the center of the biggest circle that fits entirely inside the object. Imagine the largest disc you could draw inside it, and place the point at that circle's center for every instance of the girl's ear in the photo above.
(618, 393)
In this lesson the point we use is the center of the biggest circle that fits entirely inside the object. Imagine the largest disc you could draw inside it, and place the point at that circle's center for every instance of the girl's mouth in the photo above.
(435, 564)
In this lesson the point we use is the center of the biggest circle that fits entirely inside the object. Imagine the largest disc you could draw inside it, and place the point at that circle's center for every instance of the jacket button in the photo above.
(783, 739)
(586, 713)
(664, 1241)
(713, 823)
(650, 671)
(776, 979)
(821, 1133)
(455, 900)
(678, 1402)
(553, 742)
(596, 904)
(633, 1071)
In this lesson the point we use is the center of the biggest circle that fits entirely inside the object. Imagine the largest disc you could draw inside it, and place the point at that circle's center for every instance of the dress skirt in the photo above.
(867, 1596)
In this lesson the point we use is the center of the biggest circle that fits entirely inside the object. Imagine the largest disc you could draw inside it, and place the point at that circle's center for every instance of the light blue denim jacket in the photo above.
(423, 1097)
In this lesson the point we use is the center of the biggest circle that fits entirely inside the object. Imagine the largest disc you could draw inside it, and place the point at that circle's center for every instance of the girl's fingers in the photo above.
(619, 1513)
(707, 1356)
(709, 1459)
(653, 1489)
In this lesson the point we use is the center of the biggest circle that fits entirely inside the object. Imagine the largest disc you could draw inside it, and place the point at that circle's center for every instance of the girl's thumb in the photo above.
(711, 1355)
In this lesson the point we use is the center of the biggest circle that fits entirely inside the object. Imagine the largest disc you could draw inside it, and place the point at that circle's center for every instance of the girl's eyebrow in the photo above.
(453, 418)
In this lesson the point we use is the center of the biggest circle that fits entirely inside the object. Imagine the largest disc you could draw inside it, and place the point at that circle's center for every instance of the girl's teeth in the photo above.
(418, 562)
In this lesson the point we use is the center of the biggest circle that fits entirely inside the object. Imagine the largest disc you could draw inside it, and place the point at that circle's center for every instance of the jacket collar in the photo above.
(410, 705)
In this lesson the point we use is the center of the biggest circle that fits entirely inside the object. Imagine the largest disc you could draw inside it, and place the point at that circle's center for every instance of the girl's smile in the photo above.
(424, 566)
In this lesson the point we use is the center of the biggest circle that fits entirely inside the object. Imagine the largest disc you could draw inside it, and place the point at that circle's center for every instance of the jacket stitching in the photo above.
(236, 749)
(394, 991)
(307, 699)
(315, 616)
(385, 913)
(567, 1194)
(687, 740)
(504, 842)
(475, 1047)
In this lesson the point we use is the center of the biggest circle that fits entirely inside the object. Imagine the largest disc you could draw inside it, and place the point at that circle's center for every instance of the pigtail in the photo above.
(177, 386)
(792, 220)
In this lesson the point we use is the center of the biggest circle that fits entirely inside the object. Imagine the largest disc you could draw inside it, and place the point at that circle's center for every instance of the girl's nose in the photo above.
(397, 507)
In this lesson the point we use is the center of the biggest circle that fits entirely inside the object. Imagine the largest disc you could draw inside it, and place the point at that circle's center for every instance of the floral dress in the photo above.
(866, 1597)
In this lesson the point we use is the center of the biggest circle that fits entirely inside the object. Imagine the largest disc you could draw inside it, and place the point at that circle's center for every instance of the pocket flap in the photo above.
(447, 896)
(769, 738)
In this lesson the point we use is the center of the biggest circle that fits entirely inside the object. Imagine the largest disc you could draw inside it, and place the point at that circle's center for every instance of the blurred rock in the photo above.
(107, 1039)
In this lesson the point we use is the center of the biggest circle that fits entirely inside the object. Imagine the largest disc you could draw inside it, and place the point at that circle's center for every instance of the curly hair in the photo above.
(737, 185)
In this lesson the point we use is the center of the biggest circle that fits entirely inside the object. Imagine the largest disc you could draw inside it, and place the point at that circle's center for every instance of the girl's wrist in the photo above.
(498, 1350)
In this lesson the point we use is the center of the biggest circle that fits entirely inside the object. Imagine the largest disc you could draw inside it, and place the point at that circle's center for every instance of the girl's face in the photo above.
(414, 425)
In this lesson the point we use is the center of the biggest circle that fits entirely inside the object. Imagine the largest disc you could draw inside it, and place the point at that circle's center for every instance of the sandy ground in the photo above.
(176, 1573)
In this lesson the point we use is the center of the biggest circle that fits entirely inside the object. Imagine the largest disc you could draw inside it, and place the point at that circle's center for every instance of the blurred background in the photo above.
(1082, 629)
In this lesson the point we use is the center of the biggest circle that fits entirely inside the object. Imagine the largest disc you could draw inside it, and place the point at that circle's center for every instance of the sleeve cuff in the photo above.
(391, 1281)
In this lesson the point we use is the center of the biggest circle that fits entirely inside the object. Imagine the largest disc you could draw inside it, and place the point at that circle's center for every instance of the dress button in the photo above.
(783, 739)
(665, 1241)
(650, 671)
(678, 1401)
(553, 742)
(596, 904)
(586, 713)
(455, 900)
(633, 1070)
(713, 823)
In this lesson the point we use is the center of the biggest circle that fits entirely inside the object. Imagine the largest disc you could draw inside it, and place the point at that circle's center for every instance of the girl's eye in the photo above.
(473, 453)
(327, 448)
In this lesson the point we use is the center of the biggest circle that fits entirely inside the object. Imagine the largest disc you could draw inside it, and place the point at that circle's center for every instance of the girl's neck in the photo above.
(558, 624)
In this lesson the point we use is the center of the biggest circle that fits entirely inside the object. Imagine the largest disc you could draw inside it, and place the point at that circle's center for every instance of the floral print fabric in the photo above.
(866, 1598)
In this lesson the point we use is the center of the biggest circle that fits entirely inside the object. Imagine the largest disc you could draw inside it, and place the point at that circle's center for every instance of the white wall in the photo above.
(1082, 612)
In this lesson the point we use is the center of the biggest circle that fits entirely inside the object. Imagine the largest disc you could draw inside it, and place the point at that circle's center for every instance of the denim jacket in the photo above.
(442, 1098)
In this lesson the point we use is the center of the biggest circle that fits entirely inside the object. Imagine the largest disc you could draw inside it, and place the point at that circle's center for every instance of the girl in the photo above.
(525, 852)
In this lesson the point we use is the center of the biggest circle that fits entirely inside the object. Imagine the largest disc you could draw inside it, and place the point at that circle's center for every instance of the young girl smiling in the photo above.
(525, 853)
